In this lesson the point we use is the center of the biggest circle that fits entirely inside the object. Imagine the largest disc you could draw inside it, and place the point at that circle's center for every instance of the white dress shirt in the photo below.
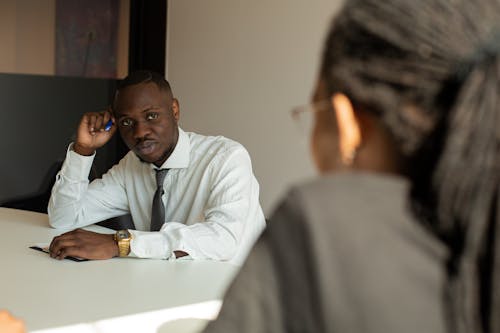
(211, 199)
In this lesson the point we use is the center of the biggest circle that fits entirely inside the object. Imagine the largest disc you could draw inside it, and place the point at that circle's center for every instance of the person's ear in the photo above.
(348, 126)
(176, 109)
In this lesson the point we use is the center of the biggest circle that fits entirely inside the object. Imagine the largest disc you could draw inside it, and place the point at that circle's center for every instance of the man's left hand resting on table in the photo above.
(83, 244)
(88, 245)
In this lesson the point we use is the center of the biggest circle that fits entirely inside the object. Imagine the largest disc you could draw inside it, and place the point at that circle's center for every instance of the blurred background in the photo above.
(237, 67)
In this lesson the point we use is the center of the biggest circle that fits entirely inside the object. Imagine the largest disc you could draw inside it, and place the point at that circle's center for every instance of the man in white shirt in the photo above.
(211, 197)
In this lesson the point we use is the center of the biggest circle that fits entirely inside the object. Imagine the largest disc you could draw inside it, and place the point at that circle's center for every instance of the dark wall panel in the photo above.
(38, 119)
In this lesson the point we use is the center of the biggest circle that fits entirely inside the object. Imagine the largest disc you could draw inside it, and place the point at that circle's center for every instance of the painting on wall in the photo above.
(87, 38)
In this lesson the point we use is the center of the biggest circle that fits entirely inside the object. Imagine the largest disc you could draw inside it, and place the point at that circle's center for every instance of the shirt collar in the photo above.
(179, 159)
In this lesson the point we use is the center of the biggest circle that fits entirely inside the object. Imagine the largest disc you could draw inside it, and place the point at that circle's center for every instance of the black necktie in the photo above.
(158, 211)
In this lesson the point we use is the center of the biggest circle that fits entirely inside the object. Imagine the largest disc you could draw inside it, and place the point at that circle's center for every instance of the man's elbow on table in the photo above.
(58, 220)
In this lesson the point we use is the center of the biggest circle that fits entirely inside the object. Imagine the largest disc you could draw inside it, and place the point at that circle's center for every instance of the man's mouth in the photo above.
(145, 147)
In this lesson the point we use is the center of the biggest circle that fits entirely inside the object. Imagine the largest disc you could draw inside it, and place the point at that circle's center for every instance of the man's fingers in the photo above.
(73, 251)
(92, 132)
(106, 117)
(91, 122)
(84, 244)
(61, 241)
(99, 123)
(96, 121)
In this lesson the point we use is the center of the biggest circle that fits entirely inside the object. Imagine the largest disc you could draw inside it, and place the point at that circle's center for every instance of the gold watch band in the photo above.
(124, 248)
(123, 238)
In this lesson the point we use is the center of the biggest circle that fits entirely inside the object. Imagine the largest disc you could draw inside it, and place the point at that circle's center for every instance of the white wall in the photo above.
(239, 66)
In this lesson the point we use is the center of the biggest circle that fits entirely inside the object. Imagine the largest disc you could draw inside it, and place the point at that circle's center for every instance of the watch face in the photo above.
(123, 234)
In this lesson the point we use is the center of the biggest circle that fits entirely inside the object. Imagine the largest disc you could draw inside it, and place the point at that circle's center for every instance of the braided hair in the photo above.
(430, 70)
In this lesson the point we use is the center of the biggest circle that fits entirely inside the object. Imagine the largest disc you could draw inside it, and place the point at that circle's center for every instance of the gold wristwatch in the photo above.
(123, 238)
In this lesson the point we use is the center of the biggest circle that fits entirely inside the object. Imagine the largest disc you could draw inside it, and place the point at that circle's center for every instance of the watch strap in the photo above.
(123, 243)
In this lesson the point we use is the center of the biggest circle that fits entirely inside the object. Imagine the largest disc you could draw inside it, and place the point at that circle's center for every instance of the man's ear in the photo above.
(176, 109)
(348, 126)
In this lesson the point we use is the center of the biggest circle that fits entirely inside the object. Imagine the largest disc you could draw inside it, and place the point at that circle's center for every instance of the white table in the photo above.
(48, 293)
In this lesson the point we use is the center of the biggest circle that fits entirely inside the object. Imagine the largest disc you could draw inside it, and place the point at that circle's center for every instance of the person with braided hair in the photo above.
(401, 232)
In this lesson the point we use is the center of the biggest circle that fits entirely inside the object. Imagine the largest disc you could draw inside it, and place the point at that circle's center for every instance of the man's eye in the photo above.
(151, 116)
(126, 122)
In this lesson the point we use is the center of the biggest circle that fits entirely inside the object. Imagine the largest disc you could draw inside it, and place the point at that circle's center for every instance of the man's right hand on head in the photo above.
(91, 132)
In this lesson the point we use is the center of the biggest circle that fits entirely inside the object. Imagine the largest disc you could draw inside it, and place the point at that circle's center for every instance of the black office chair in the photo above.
(38, 201)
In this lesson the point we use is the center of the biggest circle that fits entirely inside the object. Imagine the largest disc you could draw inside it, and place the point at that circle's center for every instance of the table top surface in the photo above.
(46, 293)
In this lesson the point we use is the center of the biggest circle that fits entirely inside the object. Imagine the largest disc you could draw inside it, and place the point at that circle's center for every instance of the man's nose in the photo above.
(141, 130)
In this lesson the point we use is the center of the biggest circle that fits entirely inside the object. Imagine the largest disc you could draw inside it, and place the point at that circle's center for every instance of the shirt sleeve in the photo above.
(229, 216)
(76, 203)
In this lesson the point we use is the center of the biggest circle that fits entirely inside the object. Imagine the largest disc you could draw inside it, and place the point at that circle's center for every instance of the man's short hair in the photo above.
(145, 76)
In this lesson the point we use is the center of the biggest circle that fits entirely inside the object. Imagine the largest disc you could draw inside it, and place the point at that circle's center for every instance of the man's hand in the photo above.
(91, 132)
(83, 244)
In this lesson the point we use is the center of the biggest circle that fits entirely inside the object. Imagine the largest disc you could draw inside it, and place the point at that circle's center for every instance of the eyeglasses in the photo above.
(303, 115)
